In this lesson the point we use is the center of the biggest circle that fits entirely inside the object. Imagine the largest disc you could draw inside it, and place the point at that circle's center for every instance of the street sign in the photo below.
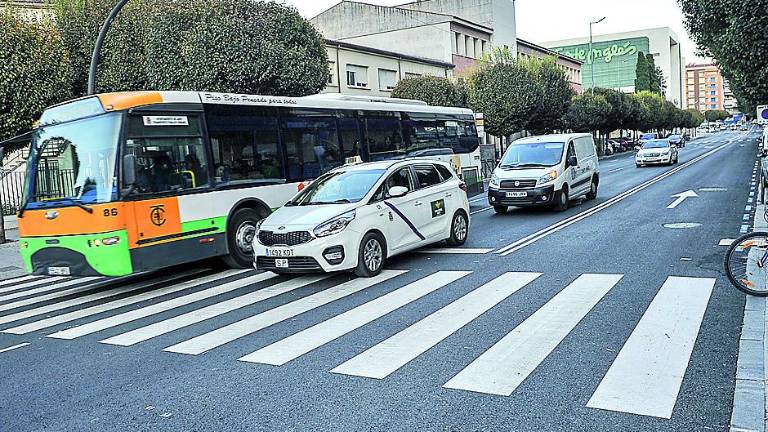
(480, 124)
(762, 113)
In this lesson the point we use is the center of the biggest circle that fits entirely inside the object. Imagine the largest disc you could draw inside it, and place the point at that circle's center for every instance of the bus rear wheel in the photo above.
(241, 231)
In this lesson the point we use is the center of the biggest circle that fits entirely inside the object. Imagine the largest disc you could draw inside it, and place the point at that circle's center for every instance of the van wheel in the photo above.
(561, 199)
(371, 256)
(459, 229)
(592, 194)
(241, 232)
(500, 209)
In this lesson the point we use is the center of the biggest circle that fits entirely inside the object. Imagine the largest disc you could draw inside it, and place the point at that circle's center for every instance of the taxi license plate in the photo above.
(517, 194)
(59, 271)
(280, 252)
(281, 263)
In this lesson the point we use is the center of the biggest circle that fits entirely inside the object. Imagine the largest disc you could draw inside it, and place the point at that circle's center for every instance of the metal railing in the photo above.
(50, 185)
(11, 189)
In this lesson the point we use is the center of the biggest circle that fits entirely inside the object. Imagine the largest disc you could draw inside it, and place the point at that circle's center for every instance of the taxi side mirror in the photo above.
(398, 191)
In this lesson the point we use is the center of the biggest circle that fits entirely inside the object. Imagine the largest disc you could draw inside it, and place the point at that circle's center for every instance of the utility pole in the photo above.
(2, 212)
(589, 55)
(99, 42)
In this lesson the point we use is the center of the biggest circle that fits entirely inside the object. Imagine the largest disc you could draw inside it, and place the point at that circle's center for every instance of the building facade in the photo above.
(704, 87)
(417, 29)
(365, 71)
(569, 65)
(614, 59)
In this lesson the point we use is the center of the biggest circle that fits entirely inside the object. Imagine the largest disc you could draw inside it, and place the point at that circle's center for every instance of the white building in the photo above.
(616, 55)
(443, 30)
(365, 71)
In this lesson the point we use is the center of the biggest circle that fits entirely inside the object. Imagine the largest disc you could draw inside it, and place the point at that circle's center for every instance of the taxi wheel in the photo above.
(240, 234)
(459, 229)
(371, 256)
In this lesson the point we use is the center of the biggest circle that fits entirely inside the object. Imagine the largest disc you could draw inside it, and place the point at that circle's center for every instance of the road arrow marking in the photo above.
(682, 197)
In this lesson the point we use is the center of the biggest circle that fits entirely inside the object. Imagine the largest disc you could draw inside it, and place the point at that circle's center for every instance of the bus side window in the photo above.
(384, 138)
(311, 146)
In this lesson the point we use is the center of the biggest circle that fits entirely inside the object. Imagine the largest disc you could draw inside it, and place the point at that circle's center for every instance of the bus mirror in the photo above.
(129, 170)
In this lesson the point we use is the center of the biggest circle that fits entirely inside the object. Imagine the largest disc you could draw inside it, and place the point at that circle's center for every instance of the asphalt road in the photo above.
(599, 318)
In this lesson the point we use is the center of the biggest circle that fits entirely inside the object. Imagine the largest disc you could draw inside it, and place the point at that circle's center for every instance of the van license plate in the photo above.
(517, 194)
(59, 271)
(281, 263)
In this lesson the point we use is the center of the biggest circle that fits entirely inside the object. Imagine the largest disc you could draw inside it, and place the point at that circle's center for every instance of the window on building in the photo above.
(714, 106)
(470, 48)
(357, 76)
(331, 74)
(712, 79)
(412, 75)
(713, 92)
(713, 99)
(387, 79)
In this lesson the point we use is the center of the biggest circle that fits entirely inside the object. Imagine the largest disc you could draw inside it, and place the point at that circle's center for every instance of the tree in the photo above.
(616, 117)
(733, 33)
(556, 93)
(642, 75)
(652, 108)
(634, 112)
(35, 73)
(235, 46)
(507, 94)
(435, 91)
(587, 113)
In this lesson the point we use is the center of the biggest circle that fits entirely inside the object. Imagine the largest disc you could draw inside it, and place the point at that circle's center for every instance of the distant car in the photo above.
(657, 152)
(677, 140)
(356, 216)
(647, 137)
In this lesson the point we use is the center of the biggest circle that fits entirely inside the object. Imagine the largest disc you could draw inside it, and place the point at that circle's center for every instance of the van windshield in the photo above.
(532, 155)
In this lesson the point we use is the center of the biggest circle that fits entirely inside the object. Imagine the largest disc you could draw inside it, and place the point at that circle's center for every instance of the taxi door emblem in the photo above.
(51, 215)
(157, 215)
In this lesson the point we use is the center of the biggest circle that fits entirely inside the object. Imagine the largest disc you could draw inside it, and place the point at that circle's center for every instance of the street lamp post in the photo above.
(99, 42)
(589, 55)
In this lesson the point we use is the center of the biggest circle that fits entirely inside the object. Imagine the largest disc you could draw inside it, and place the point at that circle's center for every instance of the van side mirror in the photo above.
(129, 170)
(572, 161)
(398, 191)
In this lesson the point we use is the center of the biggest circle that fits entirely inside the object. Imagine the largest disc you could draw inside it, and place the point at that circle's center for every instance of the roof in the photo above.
(547, 50)
(550, 138)
(362, 48)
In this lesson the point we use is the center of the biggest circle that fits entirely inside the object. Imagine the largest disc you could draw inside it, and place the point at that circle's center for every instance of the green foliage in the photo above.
(587, 113)
(648, 76)
(716, 115)
(35, 73)
(556, 94)
(733, 32)
(652, 110)
(435, 91)
(237, 46)
(695, 118)
(507, 94)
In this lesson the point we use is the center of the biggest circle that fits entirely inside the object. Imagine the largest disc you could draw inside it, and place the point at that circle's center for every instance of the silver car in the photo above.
(657, 152)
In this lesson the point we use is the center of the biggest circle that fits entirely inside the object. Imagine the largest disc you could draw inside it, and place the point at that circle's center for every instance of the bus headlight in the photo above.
(335, 225)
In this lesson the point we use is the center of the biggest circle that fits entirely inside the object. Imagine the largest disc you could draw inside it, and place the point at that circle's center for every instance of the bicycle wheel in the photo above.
(746, 264)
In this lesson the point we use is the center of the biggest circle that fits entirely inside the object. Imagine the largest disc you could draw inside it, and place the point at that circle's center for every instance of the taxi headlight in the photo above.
(335, 225)
(548, 177)
(495, 182)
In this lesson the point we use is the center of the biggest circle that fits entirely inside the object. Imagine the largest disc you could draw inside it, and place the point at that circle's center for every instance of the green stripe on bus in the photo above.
(219, 223)
(112, 260)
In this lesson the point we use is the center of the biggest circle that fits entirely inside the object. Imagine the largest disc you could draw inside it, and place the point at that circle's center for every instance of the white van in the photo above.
(547, 170)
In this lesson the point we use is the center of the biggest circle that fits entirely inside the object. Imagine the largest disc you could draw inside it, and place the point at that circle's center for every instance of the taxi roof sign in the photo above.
(354, 160)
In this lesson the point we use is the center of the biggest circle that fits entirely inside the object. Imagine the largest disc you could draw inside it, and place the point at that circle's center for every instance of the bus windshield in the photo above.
(73, 161)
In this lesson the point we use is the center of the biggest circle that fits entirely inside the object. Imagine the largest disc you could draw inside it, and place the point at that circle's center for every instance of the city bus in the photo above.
(130, 182)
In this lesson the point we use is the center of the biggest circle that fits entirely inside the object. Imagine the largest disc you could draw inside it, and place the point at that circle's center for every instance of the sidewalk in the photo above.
(11, 264)
(750, 407)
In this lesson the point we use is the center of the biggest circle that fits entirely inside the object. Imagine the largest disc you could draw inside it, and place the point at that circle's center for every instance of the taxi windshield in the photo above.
(656, 144)
(339, 188)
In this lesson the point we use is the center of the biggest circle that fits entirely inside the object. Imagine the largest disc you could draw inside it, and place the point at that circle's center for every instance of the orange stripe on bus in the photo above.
(72, 221)
(125, 100)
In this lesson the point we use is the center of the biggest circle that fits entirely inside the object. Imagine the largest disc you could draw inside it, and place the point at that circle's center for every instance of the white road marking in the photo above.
(647, 374)
(682, 196)
(85, 299)
(452, 251)
(49, 286)
(295, 346)
(744, 229)
(46, 297)
(481, 210)
(505, 366)
(21, 279)
(713, 189)
(726, 242)
(234, 331)
(116, 304)
(11, 348)
(745, 217)
(748, 208)
(387, 357)
(532, 238)
(615, 170)
(102, 324)
(208, 312)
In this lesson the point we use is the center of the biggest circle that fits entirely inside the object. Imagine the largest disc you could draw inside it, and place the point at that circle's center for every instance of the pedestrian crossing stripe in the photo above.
(635, 382)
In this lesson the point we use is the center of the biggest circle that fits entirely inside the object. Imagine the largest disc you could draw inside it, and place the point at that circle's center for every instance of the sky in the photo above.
(546, 20)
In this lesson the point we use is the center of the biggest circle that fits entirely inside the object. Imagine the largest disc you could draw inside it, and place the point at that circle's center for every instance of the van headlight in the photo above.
(335, 225)
(548, 177)
(495, 182)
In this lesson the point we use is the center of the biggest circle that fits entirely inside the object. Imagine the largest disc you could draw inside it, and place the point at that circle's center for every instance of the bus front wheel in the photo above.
(241, 231)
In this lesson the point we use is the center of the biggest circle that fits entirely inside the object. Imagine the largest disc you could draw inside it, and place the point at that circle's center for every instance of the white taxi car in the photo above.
(355, 217)
(658, 151)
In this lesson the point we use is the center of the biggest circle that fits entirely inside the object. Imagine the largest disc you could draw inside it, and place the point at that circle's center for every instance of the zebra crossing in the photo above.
(644, 378)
